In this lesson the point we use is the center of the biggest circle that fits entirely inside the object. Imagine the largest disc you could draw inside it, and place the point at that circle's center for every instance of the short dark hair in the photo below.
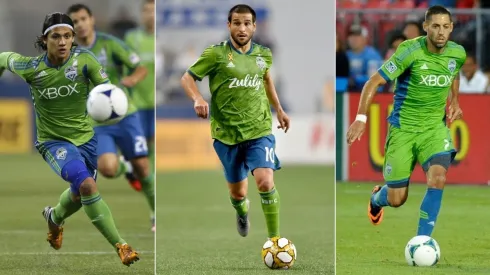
(437, 10)
(242, 8)
(397, 36)
(79, 7)
(49, 21)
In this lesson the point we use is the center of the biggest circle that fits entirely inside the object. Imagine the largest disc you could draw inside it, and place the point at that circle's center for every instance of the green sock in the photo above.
(151, 155)
(101, 217)
(121, 169)
(147, 186)
(270, 206)
(65, 208)
(240, 206)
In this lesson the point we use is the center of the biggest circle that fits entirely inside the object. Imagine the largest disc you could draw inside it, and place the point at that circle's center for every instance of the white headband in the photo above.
(55, 26)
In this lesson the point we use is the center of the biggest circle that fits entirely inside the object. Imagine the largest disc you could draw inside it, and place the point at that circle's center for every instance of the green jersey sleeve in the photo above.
(123, 54)
(268, 60)
(204, 65)
(94, 70)
(398, 63)
(17, 64)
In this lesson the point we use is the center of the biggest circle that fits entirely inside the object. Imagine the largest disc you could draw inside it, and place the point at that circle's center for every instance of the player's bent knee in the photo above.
(265, 184)
(88, 187)
(108, 165)
(238, 190)
(437, 181)
(397, 197)
(75, 172)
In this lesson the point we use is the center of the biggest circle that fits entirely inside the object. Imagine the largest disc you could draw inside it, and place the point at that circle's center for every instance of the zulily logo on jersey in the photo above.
(437, 80)
(247, 82)
(62, 91)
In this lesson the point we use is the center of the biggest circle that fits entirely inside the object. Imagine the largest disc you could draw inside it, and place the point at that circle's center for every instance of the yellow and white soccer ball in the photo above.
(107, 102)
(279, 253)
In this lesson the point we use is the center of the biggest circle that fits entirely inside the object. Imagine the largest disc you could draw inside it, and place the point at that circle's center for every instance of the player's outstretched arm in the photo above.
(200, 105)
(14, 62)
(271, 92)
(368, 91)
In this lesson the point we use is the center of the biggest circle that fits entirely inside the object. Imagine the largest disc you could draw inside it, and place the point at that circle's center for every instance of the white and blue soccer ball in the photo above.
(107, 102)
(422, 251)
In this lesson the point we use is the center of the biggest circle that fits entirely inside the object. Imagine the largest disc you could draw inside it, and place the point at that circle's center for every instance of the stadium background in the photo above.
(361, 247)
(28, 184)
(186, 160)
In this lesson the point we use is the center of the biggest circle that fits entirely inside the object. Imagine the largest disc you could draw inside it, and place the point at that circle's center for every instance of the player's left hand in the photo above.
(284, 122)
(128, 81)
(455, 112)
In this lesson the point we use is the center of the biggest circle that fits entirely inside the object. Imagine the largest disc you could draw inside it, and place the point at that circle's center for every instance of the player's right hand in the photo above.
(355, 131)
(201, 107)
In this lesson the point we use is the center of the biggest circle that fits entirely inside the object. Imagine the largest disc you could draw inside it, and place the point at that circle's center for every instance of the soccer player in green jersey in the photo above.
(241, 121)
(59, 83)
(426, 70)
(142, 41)
(127, 134)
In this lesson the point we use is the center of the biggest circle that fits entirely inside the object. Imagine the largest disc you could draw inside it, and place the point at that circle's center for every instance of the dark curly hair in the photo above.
(49, 21)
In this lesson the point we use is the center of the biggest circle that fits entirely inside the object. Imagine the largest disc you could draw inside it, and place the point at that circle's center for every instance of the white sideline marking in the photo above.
(66, 253)
(36, 232)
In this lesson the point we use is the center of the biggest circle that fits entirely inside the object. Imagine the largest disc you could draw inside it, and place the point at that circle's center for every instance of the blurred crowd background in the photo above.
(369, 31)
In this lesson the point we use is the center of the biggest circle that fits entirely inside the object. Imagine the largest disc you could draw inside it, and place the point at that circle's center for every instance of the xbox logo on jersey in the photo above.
(437, 80)
(55, 92)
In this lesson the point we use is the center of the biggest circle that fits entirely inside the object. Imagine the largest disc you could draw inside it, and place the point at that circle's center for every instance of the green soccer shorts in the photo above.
(404, 149)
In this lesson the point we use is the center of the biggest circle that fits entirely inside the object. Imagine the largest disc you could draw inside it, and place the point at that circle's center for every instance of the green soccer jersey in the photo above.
(59, 93)
(240, 109)
(423, 82)
(114, 55)
(143, 43)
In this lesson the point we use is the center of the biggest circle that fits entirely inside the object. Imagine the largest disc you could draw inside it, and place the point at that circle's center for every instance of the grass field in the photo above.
(197, 232)
(461, 231)
(27, 186)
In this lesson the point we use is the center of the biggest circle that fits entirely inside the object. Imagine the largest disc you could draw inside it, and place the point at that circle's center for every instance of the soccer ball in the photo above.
(422, 251)
(107, 102)
(279, 253)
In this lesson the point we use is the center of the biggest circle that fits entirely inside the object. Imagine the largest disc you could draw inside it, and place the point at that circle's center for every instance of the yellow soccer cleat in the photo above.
(127, 254)
(55, 233)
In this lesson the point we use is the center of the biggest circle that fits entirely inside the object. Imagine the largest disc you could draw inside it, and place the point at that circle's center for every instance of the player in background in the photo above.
(142, 41)
(126, 135)
(426, 70)
(58, 81)
(242, 91)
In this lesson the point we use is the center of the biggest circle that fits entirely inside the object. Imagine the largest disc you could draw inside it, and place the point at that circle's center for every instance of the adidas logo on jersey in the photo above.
(230, 65)
(424, 67)
(41, 74)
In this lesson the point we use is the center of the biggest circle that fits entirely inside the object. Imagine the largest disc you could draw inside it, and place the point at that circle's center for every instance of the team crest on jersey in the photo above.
(61, 153)
(388, 169)
(71, 71)
(260, 63)
(451, 65)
